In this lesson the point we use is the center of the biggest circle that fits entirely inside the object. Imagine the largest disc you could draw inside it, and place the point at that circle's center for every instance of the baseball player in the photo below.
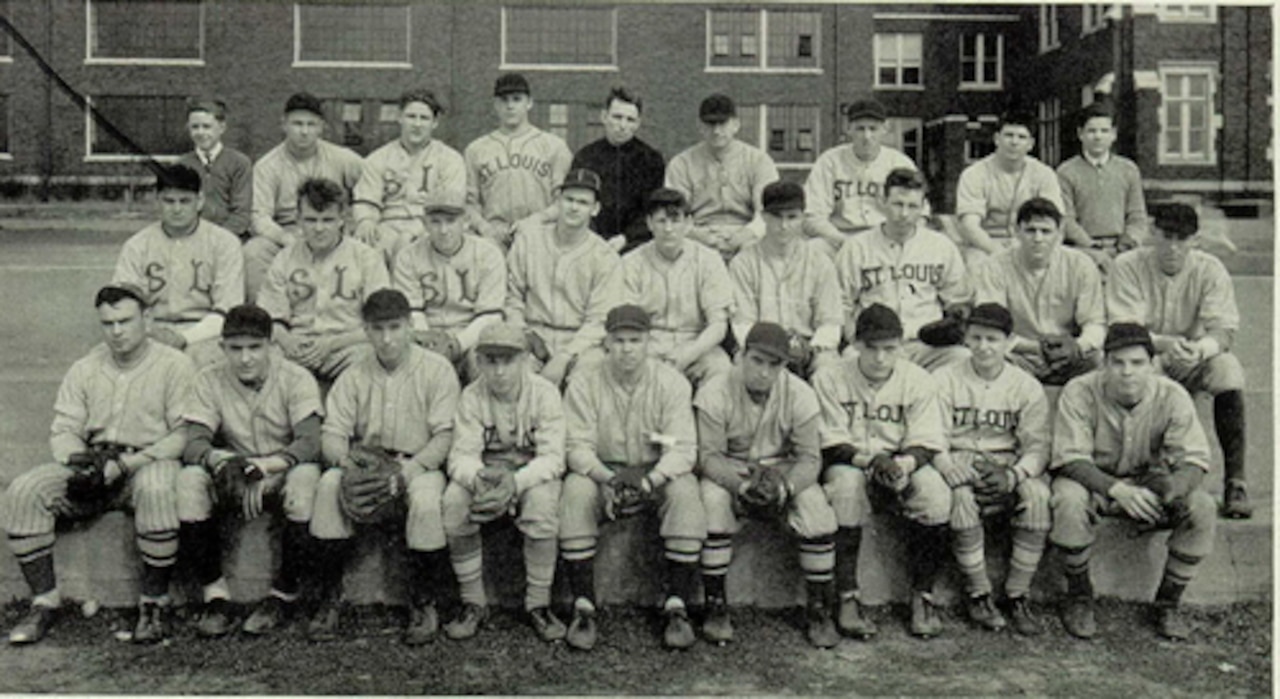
(456, 283)
(782, 280)
(265, 410)
(562, 280)
(277, 177)
(1103, 208)
(629, 426)
(1126, 442)
(399, 399)
(1186, 299)
(512, 171)
(685, 288)
(997, 419)
(190, 268)
(399, 177)
(991, 190)
(881, 422)
(315, 288)
(508, 449)
(1054, 294)
(843, 192)
(116, 438)
(723, 178)
(917, 272)
(754, 418)
(225, 173)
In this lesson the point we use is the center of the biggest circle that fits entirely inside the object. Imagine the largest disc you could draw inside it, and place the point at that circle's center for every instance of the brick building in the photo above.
(1195, 77)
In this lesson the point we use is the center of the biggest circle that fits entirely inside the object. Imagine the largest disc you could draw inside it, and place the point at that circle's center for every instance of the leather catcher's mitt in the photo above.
(372, 487)
(1175, 508)
(495, 491)
(88, 482)
(1060, 351)
(993, 489)
(801, 354)
(233, 479)
(767, 493)
(537, 346)
(626, 495)
(886, 472)
(442, 342)
(944, 332)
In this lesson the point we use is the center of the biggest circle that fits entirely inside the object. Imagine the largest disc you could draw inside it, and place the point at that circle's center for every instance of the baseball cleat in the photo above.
(1171, 623)
(467, 624)
(716, 627)
(1078, 617)
(215, 619)
(925, 622)
(1235, 501)
(851, 620)
(678, 633)
(549, 627)
(324, 623)
(424, 624)
(269, 615)
(153, 623)
(33, 626)
(1025, 621)
(983, 612)
(582, 633)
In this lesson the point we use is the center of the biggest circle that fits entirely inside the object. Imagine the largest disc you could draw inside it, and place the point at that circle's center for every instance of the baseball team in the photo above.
(421, 343)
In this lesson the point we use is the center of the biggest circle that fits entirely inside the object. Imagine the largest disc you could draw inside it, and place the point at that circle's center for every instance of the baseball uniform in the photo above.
(845, 190)
(1104, 198)
(683, 297)
(395, 183)
(189, 280)
(994, 195)
(510, 176)
(226, 176)
(453, 291)
(491, 431)
(724, 191)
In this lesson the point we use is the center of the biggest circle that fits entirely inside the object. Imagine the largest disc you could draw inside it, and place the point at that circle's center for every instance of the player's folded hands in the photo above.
(1137, 502)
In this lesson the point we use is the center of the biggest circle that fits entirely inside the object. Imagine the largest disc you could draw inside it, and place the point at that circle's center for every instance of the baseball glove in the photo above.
(87, 484)
(944, 332)
(628, 493)
(234, 480)
(1060, 352)
(442, 342)
(537, 346)
(495, 492)
(994, 487)
(1175, 508)
(766, 493)
(886, 472)
(373, 486)
(801, 354)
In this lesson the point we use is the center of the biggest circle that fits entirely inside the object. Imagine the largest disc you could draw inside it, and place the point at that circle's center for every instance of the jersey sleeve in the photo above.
(70, 415)
(493, 283)
(1091, 311)
(970, 197)
(1073, 426)
(581, 419)
(517, 284)
(374, 271)
(341, 406)
(177, 391)
(925, 427)
(834, 428)
(955, 286)
(1184, 438)
(366, 197)
(228, 284)
(606, 292)
(468, 438)
(988, 285)
(679, 177)
(548, 440)
(678, 423)
(204, 402)
(1047, 185)
(445, 392)
(849, 273)
(715, 292)
(272, 296)
(265, 181)
(1218, 310)
(828, 308)
(1034, 439)
(746, 303)
(561, 160)
(304, 397)
(405, 281)
(128, 268)
(1126, 302)
(819, 201)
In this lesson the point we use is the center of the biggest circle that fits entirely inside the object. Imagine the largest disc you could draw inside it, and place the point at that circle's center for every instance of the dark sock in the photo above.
(582, 578)
(295, 556)
(713, 585)
(330, 561)
(848, 544)
(430, 574)
(928, 547)
(682, 579)
(1170, 592)
(1228, 421)
(155, 580)
(819, 593)
(200, 547)
(39, 574)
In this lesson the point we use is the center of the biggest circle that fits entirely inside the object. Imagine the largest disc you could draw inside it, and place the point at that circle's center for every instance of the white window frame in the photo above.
(762, 52)
(90, 59)
(898, 64)
(91, 157)
(1094, 16)
(298, 62)
(979, 57)
(762, 138)
(1050, 28)
(1177, 13)
(612, 67)
(1213, 118)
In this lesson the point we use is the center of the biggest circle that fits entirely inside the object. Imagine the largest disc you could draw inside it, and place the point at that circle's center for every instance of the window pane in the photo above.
(910, 76)
(1173, 142)
(558, 115)
(1197, 115)
(1173, 114)
(886, 46)
(969, 46)
(353, 33)
(777, 140)
(888, 75)
(155, 124)
(748, 45)
(560, 35)
(788, 47)
(1195, 142)
(733, 25)
(1198, 85)
(720, 45)
(143, 29)
(989, 71)
(805, 48)
(912, 47)
(968, 71)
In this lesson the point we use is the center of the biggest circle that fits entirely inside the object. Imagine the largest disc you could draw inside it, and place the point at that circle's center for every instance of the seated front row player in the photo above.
(881, 423)
(997, 418)
(758, 417)
(630, 430)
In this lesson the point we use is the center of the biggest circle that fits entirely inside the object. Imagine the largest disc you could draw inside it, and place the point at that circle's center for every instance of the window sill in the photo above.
(900, 88)
(976, 87)
(374, 65)
(182, 62)
(764, 71)
(568, 67)
(120, 158)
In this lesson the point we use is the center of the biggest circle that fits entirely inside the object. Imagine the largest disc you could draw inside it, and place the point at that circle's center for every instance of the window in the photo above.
(1049, 138)
(361, 35)
(1186, 115)
(905, 134)
(981, 61)
(899, 60)
(144, 31)
(155, 124)
(1048, 28)
(578, 123)
(559, 37)
(792, 40)
(1187, 13)
(787, 132)
(1094, 17)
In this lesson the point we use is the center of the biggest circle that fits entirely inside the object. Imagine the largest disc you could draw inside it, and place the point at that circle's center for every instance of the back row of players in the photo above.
(874, 417)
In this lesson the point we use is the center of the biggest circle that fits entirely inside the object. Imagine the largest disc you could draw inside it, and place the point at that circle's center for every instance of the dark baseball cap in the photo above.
(666, 198)
(1176, 219)
(304, 102)
(717, 109)
(877, 322)
(581, 178)
(1122, 335)
(627, 317)
(116, 292)
(769, 338)
(501, 338)
(782, 196)
(866, 109)
(178, 176)
(511, 83)
(247, 320)
(992, 315)
(383, 305)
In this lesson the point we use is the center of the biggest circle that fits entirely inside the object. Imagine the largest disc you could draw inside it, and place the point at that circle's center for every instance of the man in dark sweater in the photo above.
(226, 173)
(629, 170)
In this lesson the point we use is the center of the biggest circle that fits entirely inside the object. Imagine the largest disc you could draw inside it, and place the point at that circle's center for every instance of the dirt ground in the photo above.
(1231, 655)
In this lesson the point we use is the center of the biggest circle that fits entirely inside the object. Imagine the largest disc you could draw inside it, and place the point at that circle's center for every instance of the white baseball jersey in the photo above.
(797, 292)
(1009, 413)
(255, 422)
(994, 195)
(394, 183)
(1196, 301)
(452, 290)
(757, 431)
(277, 176)
(322, 296)
(900, 413)
(917, 278)
(1045, 303)
(721, 190)
(531, 424)
(187, 277)
(846, 189)
(512, 176)
(682, 296)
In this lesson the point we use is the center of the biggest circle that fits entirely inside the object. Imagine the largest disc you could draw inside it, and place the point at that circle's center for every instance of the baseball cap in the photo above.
(511, 83)
(769, 338)
(992, 315)
(178, 176)
(717, 109)
(115, 292)
(305, 102)
(1122, 335)
(449, 200)
(627, 317)
(782, 196)
(664, 198)
(247, 320)
(384, 304)
(866, 109)
(1176, 219)
(581, 178)
(877, 322)
(501, 338)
